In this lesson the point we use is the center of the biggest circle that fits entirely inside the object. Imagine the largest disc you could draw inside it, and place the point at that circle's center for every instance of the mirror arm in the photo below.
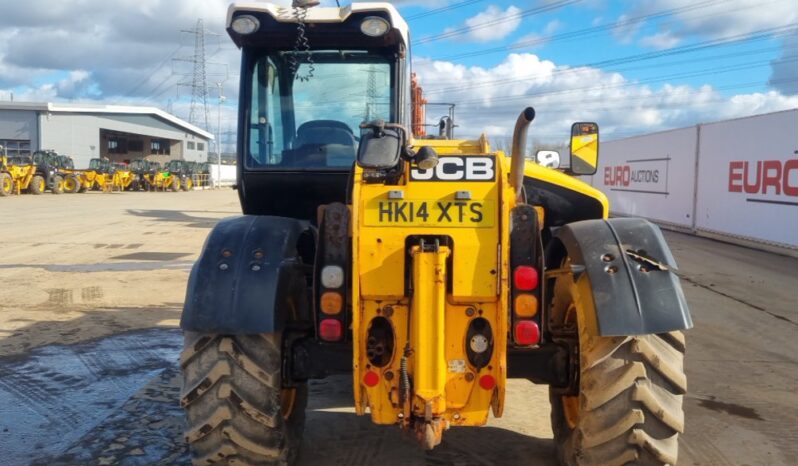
(519, 146)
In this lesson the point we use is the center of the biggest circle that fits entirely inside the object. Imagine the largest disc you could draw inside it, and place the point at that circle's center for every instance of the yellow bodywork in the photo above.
(163, 180)
(21, 176)
(452, 284)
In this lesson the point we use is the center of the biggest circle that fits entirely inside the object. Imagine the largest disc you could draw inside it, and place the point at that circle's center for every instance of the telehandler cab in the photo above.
(47, 173)
(432, 270)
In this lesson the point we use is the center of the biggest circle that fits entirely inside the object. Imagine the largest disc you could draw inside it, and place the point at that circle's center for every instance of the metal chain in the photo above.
(302, 45)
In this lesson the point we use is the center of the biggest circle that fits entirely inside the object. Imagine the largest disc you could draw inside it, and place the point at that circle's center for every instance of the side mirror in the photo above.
(584, 148)
(548, 158)
(380, 145)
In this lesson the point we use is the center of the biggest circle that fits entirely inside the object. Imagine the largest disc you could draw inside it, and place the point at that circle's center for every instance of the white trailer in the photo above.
(737, 179)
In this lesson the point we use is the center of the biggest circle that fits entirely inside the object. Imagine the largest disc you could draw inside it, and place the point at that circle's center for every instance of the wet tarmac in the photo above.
(108, 401)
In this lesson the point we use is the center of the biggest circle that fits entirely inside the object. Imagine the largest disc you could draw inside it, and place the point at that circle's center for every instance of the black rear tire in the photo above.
(6, 184)
(236, 409)
(58, 185)
(631, 390)
(37, 185)
(71, 184)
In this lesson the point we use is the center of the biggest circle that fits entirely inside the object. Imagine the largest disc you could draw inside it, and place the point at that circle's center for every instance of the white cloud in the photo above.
(723, 19)
(536, 40)
(728, 17)
(661, 40)
(489, 99)
(493, 23)
(626, 29)
(117, 51)
(552, 26)
(784, 75)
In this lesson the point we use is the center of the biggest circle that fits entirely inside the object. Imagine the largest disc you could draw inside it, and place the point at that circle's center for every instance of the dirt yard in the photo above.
(93, 284)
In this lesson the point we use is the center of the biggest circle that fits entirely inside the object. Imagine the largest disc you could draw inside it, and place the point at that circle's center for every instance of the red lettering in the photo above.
(768, 179)
(607, 176)
(752, 188)
(789, 188)
(627, 175)
(735, 176)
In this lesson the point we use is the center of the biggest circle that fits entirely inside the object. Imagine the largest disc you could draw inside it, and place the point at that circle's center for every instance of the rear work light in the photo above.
(526, 333)
(525, 278)
(245, 24)
(332, 276)
(331, 330)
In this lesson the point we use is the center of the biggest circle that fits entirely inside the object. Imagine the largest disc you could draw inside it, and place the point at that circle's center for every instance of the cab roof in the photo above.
(285, 14)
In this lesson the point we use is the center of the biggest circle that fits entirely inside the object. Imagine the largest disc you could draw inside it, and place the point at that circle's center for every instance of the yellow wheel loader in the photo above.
(47, 174)
(431, 270)
(104, 176)
(66, 168)
(6, 178)
(165, 179)
(122, 176)
(18, 174)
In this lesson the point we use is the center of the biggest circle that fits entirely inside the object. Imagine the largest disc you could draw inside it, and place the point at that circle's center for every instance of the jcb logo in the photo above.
(455, 168)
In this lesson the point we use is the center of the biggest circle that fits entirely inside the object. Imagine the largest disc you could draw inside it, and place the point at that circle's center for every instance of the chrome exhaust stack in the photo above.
(519, 145)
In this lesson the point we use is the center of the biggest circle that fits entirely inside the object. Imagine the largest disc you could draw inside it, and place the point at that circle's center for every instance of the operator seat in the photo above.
(320, 143)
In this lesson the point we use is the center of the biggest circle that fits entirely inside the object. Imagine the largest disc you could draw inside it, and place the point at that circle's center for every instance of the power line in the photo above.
(198, 112)
(683, 75)
(584, 32)
(737, 54)
(753, 36)
(603, 105)
(444, 9)
(521, 14)
(149, 74)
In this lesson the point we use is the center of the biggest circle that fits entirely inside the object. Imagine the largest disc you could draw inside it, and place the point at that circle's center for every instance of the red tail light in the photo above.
(331, 330)
(487, 382)
(527, 333)
(525, 278)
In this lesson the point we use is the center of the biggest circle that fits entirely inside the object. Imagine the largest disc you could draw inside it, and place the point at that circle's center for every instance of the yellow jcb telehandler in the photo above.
(431, 270)
(6, 179)
(19, 174)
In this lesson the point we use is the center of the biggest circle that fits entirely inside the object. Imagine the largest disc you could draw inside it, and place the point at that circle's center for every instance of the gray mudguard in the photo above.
(624, 260)
(248, 278)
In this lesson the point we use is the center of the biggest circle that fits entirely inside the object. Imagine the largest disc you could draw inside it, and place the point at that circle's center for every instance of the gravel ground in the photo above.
(91, 292)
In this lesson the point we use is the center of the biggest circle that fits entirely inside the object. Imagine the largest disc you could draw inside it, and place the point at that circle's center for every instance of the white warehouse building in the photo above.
(82, 131)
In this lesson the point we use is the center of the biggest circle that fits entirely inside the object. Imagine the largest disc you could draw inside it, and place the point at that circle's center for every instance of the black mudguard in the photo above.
(632, 296)
(249, 278)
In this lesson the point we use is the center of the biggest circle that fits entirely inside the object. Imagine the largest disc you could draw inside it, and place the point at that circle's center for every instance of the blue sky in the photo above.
(633, 66)
(743, 62)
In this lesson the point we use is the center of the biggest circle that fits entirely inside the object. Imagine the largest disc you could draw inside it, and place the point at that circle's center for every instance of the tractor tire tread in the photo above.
(231, 395)
(35, 185)
(632, 404)
(6, 181)
(58, 185)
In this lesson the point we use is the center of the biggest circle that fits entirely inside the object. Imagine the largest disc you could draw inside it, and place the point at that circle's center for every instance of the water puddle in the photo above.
(55, 400)
(106, 267)
(152, 256)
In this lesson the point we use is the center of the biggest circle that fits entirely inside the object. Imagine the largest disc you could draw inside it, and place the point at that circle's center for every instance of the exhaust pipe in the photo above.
(519, 145)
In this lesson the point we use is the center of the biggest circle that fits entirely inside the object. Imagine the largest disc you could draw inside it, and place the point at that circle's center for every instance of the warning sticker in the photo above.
(457, 366)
